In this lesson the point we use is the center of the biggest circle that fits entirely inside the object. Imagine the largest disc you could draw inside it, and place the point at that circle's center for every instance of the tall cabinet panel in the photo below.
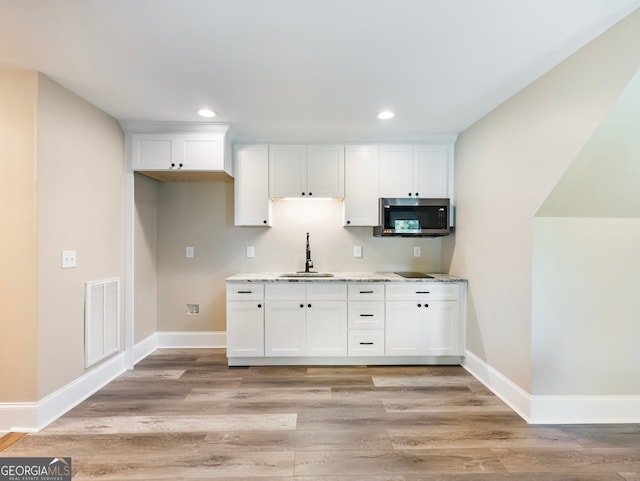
(362, 176)
(252, 206)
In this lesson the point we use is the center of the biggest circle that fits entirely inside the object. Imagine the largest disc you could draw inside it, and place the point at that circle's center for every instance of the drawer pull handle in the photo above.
(422, 292)
(366, 292)
(366, 315)
(366, 343)
(245, 292)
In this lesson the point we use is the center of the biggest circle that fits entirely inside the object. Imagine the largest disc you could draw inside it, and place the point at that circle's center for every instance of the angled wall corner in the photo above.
(603, 179)
(584, 268)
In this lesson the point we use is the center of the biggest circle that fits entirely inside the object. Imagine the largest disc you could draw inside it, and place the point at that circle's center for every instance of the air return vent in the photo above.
(101, 320)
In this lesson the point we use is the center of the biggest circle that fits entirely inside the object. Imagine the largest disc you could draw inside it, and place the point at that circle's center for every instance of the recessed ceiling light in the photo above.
(385, 115)
(206, 113)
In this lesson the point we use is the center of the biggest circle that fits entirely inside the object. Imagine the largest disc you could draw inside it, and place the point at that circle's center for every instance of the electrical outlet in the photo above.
(251, 252)
(357, 251)
(417, 251)
(68, 259)
(189, 252)
(193, 309)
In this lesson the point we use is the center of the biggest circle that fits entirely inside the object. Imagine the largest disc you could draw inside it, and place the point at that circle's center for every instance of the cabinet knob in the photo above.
(301, 305)
(419, 305)
(348, 222)
(303, 193)
(409, 194)
(259, 306)
(310, 193)
(264, 221)
(417, 194)
(426, 305)
(308, 305)
(173, 165)
(180, 166)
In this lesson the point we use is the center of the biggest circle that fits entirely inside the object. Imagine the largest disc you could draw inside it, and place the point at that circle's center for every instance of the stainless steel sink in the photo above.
(307, 274)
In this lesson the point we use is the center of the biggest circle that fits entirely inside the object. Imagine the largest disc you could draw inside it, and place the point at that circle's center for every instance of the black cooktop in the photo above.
(414, 275)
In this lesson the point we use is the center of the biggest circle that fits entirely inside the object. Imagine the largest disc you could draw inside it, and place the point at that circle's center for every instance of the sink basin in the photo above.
(307, 274)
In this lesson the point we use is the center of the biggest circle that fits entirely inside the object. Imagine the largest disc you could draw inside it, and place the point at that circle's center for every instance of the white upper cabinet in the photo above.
(252, 206)
(362, 174)
(178, 151)
(306, 171)
(416, 170)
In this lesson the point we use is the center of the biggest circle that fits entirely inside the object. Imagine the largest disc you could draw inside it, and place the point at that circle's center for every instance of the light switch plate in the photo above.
(251, 252)
(357, 251)
(68, 259)
(417, 251)
(189, 252)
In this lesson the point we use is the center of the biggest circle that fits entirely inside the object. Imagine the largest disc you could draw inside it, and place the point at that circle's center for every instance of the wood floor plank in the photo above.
(183, 414)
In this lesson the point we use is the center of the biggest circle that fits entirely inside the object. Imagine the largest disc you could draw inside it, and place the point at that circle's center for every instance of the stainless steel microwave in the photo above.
(413, 217)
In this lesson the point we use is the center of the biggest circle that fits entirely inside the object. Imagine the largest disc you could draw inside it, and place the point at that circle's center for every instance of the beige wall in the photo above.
(18, 238)
(80, 207)
(145, 257)
(586, 262)
(201, 215)
(506, 165)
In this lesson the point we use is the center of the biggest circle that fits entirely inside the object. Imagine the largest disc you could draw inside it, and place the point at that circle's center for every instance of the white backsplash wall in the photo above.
(200, 215)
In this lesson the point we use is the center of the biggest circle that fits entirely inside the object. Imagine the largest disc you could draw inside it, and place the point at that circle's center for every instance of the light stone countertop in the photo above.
(340, 277)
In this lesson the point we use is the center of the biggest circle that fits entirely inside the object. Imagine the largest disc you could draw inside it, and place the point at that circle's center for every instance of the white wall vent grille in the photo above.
(101, 320)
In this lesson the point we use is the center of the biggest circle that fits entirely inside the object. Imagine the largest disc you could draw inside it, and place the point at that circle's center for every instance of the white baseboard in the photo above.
(513, 395)
(192, 339)
(536, 409)
(33, 416)
(585, 409)
(145, 347)
(30, 417)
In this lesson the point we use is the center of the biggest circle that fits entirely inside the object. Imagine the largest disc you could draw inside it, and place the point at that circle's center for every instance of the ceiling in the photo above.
(301, 69)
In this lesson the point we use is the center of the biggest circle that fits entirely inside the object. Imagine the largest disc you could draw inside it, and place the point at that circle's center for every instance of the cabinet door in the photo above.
(245, 329)
(152, 152)
(403, 325)
(325, 171)
(284, 328)
(252, 206)
(200, 151)
(196, 152)
(396, 171)
(361, 184)
(326, 328)
(431, 171)
(287, 171)
(441, 329)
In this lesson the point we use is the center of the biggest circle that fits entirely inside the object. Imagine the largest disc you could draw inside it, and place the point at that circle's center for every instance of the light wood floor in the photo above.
(184, 415)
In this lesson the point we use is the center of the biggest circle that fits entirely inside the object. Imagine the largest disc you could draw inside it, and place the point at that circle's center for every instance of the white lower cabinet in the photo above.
(305, 319)
(337, 321)
(426, 325)
(245, 320)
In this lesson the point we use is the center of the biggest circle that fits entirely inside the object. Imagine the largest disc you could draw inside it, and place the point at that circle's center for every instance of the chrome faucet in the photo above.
(308, 263)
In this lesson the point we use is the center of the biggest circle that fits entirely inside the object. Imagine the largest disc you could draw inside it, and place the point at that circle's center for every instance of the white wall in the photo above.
(145, 257)
(80, 207)
(586, 314)
(506, 165)
(201, 215)
(585, 320)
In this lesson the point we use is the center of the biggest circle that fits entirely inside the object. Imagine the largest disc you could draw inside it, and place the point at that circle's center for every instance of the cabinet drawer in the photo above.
(366, 314)
(366, 342)
(366, 292)
(248, 291)
(329, 291)
(422, 290)
(276, 291)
